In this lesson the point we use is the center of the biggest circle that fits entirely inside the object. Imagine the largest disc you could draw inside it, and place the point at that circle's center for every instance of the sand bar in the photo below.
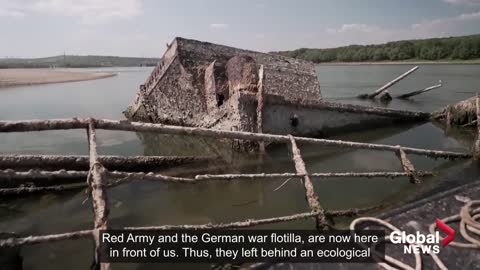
(16, 77)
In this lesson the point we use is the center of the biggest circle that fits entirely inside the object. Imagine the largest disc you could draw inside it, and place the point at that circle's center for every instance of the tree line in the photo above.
(451, 48)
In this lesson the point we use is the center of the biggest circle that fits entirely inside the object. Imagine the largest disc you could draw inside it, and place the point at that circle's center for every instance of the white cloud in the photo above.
(88, 11)
(463, 2)
(353, 27)
(358, 33)
(219, 25)
(448, 25)
(11, 13)
(9, 8)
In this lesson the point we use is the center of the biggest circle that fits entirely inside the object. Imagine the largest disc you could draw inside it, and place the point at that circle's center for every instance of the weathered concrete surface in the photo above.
(201, 84)
(176, 91)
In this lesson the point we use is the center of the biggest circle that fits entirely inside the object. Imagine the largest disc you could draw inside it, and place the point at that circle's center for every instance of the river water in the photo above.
(147, 203)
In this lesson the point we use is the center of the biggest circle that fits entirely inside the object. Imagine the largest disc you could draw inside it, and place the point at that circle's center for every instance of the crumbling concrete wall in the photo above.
(175, 99)
(287, 77)
(216, 86)
(242, 73)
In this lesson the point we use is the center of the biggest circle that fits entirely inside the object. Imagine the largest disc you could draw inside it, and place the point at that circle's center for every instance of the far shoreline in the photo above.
(24, 77)
(465, 62)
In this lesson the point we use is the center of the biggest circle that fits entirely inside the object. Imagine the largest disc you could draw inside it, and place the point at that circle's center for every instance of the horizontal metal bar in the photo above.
(9, 176)
(30, 240)
(82, 161)
(314, 175)
(38, 125)
(35, 189)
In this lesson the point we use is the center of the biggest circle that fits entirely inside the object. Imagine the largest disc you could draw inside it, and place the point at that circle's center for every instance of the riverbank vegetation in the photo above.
(77, 61)
(435, 49)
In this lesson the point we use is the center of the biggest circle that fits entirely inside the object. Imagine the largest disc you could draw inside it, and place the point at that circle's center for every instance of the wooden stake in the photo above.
(310, 194)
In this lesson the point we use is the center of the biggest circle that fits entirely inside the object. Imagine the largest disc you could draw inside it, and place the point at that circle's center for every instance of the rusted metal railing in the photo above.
(99, 178)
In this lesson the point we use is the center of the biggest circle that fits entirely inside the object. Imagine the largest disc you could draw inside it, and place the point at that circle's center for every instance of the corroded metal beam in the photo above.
(414, 93)
(81, 162)
(312, 175)
(389, 84)
(408, 167)
(310, 195)
(30, 240)
(97, 183)
(38, 125)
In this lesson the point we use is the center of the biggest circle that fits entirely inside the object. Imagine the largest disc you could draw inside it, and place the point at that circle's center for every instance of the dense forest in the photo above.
(77, 61)
(452, 48)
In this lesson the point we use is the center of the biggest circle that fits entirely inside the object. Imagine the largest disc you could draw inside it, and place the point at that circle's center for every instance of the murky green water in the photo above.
(146, 203)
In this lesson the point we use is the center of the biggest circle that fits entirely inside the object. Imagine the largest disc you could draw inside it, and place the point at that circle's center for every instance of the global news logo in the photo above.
(419, 243)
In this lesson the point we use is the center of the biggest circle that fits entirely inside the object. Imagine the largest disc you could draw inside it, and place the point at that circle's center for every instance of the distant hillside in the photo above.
(77, 61)
(452, 48)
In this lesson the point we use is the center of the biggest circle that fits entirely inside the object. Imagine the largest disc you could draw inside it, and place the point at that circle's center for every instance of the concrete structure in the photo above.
(201, 84)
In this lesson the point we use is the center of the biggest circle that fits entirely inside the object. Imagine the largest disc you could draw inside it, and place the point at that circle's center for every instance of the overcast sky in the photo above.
(36, 28)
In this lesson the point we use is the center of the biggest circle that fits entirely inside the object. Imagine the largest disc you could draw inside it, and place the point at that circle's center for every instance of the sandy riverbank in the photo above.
(16, 77)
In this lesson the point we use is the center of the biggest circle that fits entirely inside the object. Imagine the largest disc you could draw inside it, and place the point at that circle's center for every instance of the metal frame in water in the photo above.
(98, 176)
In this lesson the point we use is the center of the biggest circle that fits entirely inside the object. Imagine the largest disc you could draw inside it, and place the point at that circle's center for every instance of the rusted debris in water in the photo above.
(99, 178)
(415, 93)
(385, 96)
(463, 113)
(388, 85)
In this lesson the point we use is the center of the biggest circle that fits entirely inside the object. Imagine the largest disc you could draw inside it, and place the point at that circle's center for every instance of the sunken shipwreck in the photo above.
(201, 84)
(209, 91)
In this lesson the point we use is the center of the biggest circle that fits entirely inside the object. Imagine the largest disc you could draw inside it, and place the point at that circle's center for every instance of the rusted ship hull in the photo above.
(321, 119)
